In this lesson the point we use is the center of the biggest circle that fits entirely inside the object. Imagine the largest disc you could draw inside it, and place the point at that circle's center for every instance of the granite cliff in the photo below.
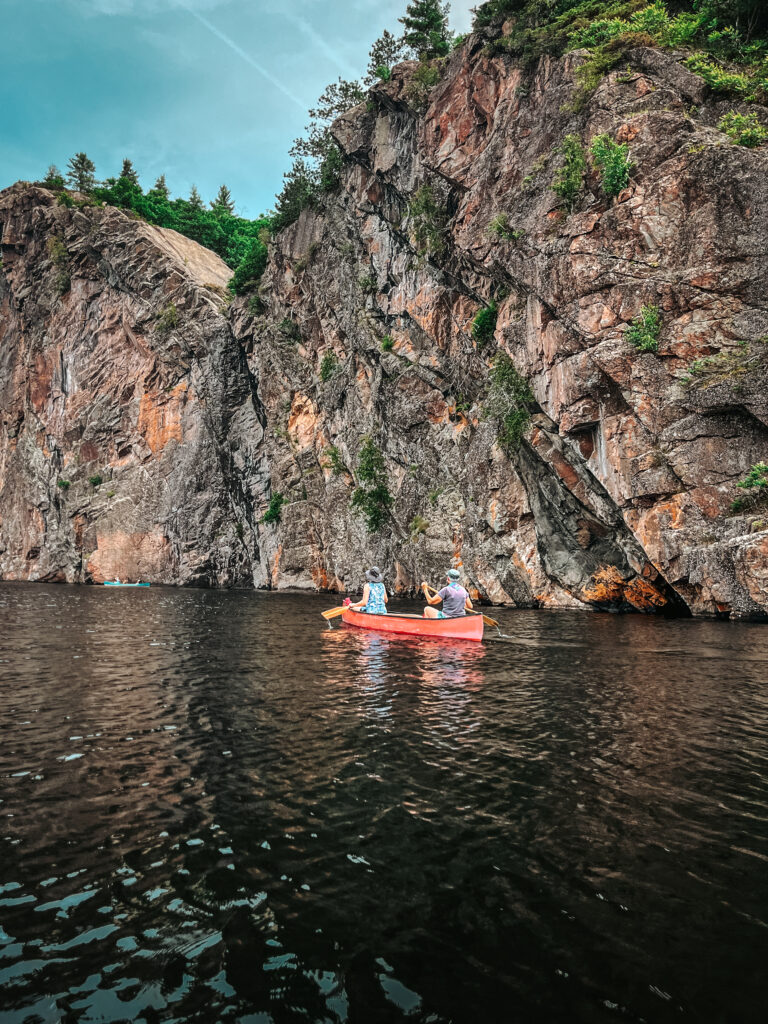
(123, 362)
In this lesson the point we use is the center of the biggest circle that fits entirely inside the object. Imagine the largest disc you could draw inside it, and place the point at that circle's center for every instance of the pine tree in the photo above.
(195, 202)
(384, 54)
(161, 188)
(81, 173)
(223, 202)
(54, 178)
(129, 172)
(337, 99)
(426, 28)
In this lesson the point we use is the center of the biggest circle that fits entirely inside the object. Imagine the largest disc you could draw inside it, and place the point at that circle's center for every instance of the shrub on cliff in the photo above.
(372, 496)
(329, 364)
(484, 324)
(645, 329)
(743, 129)
(755, 483)
(272, 515)
(168, 320)
(613, 163)
(569, 178)
(250, 268)
(57, 250)
(508, 401)
(428, 221)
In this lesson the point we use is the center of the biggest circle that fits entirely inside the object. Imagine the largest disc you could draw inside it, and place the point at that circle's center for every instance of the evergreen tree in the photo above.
(384, 54)
(426, 28)
(129, 172)
(337, 99)
(223, 202)
(194, 201)
(161, 189)
(299, 191)
(53, 178)
(81, 173)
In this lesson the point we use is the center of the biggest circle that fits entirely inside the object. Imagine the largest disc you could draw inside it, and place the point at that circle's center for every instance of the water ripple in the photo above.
(215, 809)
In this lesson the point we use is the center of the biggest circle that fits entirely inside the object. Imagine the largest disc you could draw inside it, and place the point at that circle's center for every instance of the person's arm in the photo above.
(386, 596)
(468, 604)
(431, 600)
(363, 603)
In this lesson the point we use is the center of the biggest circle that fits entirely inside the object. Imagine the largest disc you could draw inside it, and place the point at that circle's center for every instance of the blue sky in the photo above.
(204, 91)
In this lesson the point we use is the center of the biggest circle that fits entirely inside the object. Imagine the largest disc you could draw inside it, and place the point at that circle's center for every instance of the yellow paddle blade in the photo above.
(331, 613)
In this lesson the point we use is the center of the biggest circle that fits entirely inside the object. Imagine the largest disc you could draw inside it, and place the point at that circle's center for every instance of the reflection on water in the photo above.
(214, 809)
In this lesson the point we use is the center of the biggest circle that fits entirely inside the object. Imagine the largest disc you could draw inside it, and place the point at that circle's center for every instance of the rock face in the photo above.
(619, 494)
(130, 429)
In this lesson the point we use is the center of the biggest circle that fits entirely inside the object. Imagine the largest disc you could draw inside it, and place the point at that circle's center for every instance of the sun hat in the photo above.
(453, 574)
(374, 575)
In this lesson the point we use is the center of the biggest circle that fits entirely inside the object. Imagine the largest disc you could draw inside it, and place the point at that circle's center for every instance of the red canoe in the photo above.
(465, 627)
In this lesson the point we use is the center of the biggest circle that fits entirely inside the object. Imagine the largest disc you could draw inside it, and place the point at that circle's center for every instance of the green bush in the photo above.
(645, 329)
(95, 480)
(756, 483)
(272, 515)
(418, 526)
(387, 343)
(255, 305)
(501, 228)
(372, 496)
(289, 329)
(60, 261)
(484, 324)
(168, 320)
(383, 73)
(368, 284)
(428, 220)
(328, 366)
(613, 163)
(569, 178)
(64, 484)
(508, 401)
(743, 129)
(424, 79)
(250, 268)
(335, 461)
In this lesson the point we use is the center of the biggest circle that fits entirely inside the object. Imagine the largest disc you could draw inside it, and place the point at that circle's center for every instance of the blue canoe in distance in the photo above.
(108, 583)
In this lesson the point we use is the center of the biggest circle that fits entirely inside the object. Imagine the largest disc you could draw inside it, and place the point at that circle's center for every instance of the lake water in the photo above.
(215, 809)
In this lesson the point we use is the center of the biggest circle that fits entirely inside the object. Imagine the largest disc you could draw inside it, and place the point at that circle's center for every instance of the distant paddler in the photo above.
(453, 597)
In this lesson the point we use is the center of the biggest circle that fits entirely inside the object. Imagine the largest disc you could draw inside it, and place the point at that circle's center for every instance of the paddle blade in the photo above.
(332, 613)
(489, 621)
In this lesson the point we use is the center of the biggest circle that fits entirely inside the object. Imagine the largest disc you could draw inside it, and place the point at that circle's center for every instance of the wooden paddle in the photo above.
(332, 613)
(486, 618)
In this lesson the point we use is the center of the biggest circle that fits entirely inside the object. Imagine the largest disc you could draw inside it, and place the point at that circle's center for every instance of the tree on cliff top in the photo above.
(387, 51)
(129, 172)
(161, 189)
(426, 28)
(223, 203)
(81, 173)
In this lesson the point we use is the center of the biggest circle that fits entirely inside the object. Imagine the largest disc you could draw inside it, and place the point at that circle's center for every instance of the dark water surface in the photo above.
(213, 809)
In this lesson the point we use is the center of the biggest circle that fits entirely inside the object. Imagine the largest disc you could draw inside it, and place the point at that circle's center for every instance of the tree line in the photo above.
(240, 242)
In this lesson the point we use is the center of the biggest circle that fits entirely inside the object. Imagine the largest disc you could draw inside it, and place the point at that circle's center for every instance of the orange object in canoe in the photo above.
(464, 627)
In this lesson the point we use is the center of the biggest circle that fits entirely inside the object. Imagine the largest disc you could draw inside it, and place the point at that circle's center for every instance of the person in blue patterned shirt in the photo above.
(375, 598)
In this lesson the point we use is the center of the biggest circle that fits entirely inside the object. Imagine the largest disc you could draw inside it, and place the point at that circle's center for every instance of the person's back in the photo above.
(454, 600)
(376, 599)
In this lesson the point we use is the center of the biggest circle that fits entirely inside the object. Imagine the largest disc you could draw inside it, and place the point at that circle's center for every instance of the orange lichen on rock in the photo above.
(610, 587)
